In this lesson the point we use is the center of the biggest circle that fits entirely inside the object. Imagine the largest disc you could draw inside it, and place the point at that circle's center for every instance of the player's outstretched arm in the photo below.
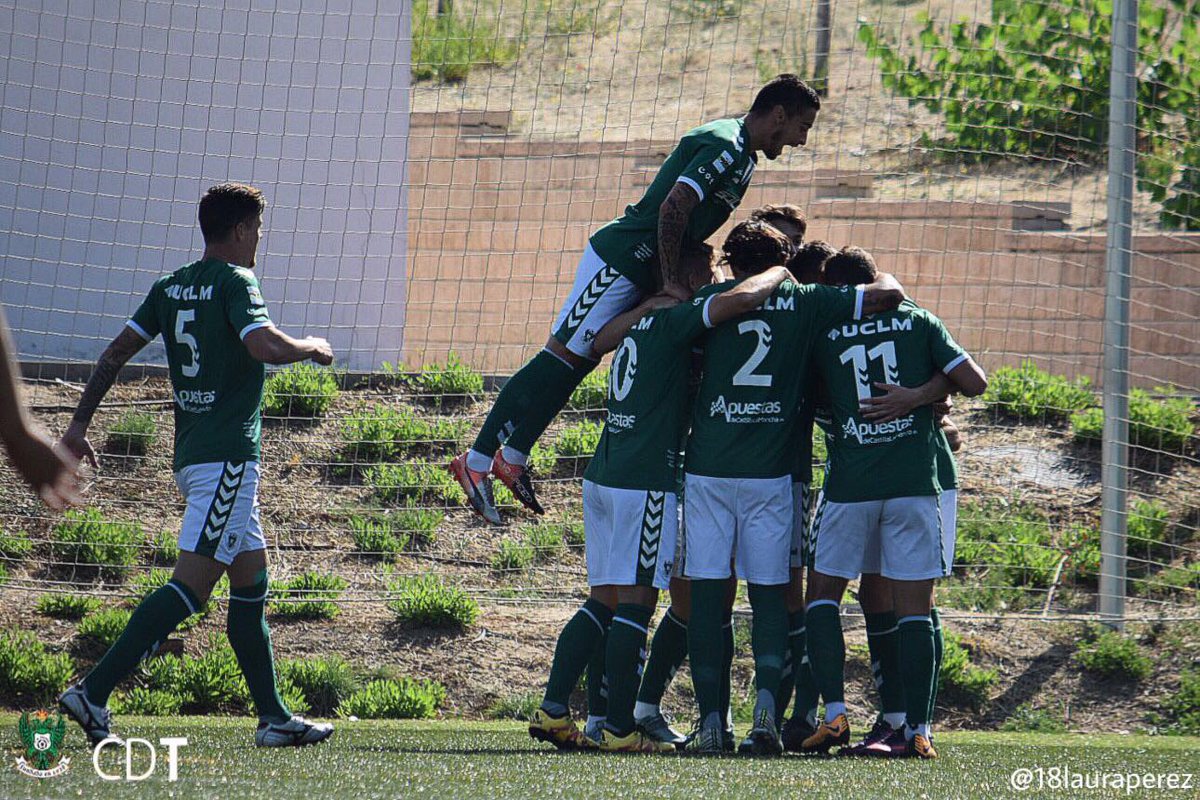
(673, 217)
(270, 345)
(610, 336)
(746, 296)
(884, 294)
(127, 344)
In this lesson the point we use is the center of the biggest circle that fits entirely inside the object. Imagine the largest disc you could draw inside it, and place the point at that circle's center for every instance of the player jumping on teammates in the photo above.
(696, 189)
(218, 336)
(878, 511)
(738, 483)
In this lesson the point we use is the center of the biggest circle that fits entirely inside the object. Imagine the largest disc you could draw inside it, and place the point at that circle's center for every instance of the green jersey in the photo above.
(745, 418)
(877, 461)
(641, 446)
(203, 311)
(802, 448)
(712, 159)
(947, 467)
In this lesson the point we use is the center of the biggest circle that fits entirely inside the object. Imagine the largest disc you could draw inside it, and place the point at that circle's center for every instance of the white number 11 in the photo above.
(861, 356)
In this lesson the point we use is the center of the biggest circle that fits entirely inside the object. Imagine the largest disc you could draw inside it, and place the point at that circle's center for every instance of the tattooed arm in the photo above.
(673, 217)
(115, 356)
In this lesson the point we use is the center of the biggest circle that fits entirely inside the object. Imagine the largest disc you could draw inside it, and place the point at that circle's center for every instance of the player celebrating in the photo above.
(738, 494)
(696, 189)
(218, 336)
(878, 512)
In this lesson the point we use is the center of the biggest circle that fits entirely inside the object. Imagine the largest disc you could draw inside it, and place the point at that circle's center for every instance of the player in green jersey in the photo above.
(879, 512)
(218, 336)
(788, 220)
(738, 498)
(696, 189)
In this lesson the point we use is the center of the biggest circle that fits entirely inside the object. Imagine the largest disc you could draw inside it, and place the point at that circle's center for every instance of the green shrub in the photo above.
(1180, 581)
(426, 601)
(67, 606)
(383, 433)
(209, 682)
(512, 556)
(518, 706)
(14, 546)
(28, 674)
(543, 459)
(1153, 424)
(164, 548)
(1031, 395)
(1081, 546)
(546, 540)
(1011, 542)
(446, 48)
(962, 681)
(1112, 655)
(301, 390)
(1027, 719)
(142, 702)
(578, 440)
(132, 434)
(399, 698)
(418, 524)
(573, 533)
(309, 595)
(1183, 707)
(85, 538)
(454, 379)
(415, 482)
(324, 682)
(104, 626)
(375, 536)
(592, 393)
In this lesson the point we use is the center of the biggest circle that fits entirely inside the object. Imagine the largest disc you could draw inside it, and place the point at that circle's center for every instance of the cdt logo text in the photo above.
(138, 757)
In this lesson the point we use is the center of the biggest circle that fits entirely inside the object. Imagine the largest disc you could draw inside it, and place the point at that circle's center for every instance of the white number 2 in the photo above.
(183, 317)
(860, 356)
(746, 376)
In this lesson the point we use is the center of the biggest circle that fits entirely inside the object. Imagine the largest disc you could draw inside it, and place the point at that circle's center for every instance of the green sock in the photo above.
(668, 649)
(251, 641)
(579, 639)
(807, 697)
(786, 683)
(883, 643)
(151, 623)
(939, 645)
(726, 664)
(916, 667)
(528, 402)
(768, 636)
(597, 682)
(704, 628)
(626, 653)
(827, 650)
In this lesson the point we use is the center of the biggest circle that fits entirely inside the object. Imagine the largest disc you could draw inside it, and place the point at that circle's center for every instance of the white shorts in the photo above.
(801, 493)
(629, 536)
(221, 520)
(948, 510)
(748, 520)
(599, 294)
(899, 538)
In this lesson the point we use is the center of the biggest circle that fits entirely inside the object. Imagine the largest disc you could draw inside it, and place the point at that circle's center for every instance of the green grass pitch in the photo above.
(489, 760)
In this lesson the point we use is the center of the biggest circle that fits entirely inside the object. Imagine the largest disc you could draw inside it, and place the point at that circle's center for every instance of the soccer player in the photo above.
(696, 189)
(879, 506)
(788, 220)
(46, 469)
(218, 336)
(738, 484)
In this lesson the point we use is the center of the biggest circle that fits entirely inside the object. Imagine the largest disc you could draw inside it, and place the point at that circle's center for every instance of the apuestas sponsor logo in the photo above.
(746, 412)
(195, 401)
(621, 420)
(878, 432)
(871, 326)
(42, 738)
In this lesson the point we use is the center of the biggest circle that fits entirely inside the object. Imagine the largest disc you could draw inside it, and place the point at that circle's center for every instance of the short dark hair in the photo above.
(807, 264)
(689, 248)
(753, 246)
(850, 266)
(225, 205)
(789, 91)
(783, 212)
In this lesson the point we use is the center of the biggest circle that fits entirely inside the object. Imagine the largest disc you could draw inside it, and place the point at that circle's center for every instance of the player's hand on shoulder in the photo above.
(895, 402)
(322, 352)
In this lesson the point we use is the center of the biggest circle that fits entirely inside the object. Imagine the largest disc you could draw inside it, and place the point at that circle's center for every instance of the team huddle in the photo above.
(702, 476)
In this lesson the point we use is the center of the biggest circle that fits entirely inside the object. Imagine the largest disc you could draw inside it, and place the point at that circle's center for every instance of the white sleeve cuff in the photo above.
(138, 330)
(859, 293)
(253, 326)
(693, 184)
(708, 322)
(950, 367)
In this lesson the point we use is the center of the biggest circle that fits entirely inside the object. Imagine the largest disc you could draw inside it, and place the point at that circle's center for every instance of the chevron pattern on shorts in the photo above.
(652, 523)
(591, 293)
(223, 500)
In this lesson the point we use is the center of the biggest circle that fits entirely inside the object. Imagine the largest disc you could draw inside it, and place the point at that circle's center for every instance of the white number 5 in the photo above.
(183, 318)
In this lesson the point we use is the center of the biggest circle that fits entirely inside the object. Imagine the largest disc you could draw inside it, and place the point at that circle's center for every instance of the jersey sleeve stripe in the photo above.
(691, 183)
(949, 367)
(859, 293)
(253, 326)
(708, 323)
(138, 330)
